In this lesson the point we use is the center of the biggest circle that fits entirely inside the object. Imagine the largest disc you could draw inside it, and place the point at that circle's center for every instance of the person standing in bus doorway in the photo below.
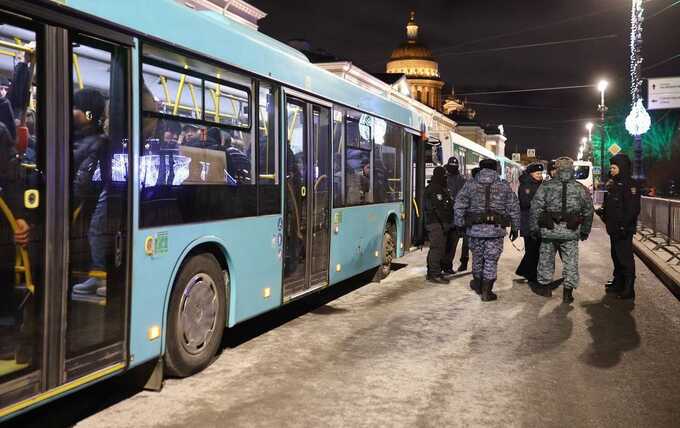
(454, 182)
(438, 216)
(528, 185)
(89, 155)
(485, 207)
(619, 212)
(562, 213)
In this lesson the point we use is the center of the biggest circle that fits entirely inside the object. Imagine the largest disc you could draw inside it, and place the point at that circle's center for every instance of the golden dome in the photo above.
(412, 57)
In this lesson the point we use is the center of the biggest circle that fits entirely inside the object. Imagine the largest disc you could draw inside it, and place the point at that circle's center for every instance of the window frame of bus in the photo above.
(369, 149)
(275, 91)
(203, 77)
(143, 114)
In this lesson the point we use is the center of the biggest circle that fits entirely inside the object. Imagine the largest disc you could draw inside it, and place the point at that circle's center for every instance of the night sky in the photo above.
(366, 31)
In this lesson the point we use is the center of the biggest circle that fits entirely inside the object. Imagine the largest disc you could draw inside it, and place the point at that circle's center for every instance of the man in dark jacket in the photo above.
(485, 207)
(528, 185)
(438, 216)
(620, 211)
(454, 182)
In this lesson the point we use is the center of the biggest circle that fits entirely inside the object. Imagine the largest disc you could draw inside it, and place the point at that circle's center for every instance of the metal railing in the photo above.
(659, 222)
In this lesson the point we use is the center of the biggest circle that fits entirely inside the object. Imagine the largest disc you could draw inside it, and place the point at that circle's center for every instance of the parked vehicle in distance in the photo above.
(583, 172)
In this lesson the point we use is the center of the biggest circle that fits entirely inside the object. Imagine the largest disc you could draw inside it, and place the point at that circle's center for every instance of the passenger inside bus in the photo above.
(90, 154)
(17, 301)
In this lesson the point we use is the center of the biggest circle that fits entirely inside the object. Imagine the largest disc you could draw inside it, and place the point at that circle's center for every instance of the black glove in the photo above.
(513, 234)
(583, 237)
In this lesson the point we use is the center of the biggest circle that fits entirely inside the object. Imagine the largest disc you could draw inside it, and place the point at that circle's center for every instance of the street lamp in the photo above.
(589, 128)
(602, 108)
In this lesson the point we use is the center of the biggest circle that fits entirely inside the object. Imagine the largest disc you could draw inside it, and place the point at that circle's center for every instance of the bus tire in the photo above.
(389, 252)
(196, 316)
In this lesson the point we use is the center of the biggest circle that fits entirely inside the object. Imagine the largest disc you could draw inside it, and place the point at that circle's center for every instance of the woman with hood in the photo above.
(528, 185)
(485, 207)
(438, 216)
(620, 212)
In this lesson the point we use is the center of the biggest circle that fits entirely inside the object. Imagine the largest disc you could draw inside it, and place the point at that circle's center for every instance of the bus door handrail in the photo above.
(22, 254)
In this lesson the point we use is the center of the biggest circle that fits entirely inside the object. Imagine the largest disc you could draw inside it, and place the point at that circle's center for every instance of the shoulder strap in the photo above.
(487, 196)
(564, 199)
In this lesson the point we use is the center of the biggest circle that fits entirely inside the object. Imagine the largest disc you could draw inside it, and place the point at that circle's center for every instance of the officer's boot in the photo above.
(628, 291)
(614, 286)
(487, 294)
(476, 285)
(568, 296)
(436, 279)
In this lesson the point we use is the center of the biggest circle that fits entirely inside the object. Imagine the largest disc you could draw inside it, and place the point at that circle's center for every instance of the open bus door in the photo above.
(64, 174)
(419, 149)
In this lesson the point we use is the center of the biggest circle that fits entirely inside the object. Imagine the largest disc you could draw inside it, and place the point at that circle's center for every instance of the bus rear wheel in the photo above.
(389, 253)
(197, 316)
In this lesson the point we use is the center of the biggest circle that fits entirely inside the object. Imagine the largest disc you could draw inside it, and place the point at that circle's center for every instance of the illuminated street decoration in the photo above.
(638, 121)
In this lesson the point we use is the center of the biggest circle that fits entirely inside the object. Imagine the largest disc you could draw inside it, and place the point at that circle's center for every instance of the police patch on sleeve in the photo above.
(633, 190)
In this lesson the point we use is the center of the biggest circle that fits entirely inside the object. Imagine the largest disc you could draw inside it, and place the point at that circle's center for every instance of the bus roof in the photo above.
(215, 36)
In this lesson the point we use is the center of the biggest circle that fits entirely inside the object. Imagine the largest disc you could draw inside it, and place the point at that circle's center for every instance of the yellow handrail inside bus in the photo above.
(22, 254)
(79, 77)
(415, 205)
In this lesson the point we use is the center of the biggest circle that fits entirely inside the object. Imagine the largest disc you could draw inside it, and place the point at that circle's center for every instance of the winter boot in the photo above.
(488, 295)
(463, 266)
(628, 290)
(544, 290)
(614, 286)
(567, 296)
(436, 279)
(476, 285)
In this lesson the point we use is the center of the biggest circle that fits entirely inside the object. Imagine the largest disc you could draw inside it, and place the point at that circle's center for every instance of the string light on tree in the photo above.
(638, 121)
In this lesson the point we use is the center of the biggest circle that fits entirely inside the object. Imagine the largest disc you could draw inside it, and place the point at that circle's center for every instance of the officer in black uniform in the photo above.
(454, 182)
(438, 218)
(620, 211)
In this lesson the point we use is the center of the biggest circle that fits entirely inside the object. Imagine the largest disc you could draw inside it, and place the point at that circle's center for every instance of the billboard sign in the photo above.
(663, 93)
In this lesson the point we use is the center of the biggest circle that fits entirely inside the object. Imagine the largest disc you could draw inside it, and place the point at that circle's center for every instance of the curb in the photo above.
(668, 276)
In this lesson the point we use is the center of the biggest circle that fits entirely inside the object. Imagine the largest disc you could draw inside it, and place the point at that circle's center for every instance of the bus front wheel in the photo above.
(389, 253)
(197, 316)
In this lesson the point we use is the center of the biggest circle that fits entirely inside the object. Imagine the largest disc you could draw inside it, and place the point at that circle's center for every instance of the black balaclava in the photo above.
(452, 166)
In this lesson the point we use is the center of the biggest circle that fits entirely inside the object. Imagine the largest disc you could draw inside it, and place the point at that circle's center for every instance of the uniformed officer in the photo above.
(454, 182)
(529, 182)
(485, 207)
(620, 211)
(438, 215)
(561, 214)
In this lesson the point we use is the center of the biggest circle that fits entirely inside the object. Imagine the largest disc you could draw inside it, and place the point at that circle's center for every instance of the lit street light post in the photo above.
(602, 108)
(589, 128)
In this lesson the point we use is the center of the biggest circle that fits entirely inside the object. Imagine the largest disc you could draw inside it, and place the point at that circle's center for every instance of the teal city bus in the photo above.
(167, 173)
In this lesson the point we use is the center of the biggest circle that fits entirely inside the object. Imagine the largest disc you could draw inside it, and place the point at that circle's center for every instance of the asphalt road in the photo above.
(404, 353)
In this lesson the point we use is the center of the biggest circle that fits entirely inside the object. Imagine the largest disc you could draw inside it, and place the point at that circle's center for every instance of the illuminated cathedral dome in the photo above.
(415, 60)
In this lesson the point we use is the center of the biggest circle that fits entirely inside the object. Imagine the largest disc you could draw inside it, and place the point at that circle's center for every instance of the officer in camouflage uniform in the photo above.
(485, 206)
(561, 214)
